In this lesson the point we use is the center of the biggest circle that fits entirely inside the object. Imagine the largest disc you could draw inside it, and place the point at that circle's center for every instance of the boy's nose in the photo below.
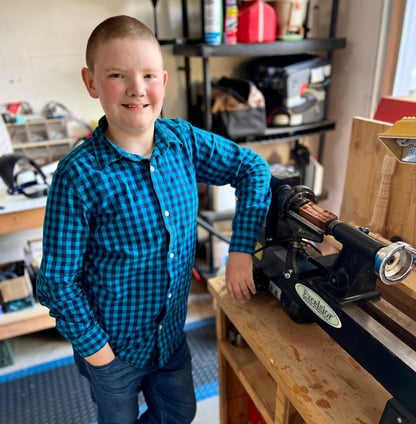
(135, 88)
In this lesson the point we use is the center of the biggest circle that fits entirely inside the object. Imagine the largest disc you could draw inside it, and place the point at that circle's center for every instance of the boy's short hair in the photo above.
(116, 27)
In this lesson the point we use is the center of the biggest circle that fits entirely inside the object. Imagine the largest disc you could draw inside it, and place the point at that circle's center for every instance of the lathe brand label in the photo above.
(318, 305)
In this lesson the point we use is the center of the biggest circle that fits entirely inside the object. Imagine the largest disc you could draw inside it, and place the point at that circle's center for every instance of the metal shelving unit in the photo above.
(278, 48)
(189, 49)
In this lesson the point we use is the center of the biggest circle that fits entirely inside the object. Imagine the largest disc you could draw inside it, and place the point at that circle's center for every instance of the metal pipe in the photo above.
(212, 230)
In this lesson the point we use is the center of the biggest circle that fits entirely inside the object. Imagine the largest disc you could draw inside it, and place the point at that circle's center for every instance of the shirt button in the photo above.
(152, 168)
(160, 326)
(171, 255)
(169, 295)
(167, 213)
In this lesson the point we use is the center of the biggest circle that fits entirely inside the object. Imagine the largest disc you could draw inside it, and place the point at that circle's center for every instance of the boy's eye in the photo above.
(115, 75)
(150, 76)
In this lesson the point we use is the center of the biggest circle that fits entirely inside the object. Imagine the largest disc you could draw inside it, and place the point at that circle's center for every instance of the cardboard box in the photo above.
(15, 287)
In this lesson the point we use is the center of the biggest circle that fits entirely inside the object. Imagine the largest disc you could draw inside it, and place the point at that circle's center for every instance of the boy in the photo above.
(120, 231)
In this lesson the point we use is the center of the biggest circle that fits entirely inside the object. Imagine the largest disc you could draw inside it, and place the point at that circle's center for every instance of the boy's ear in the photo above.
(165, 78)
(88, 78)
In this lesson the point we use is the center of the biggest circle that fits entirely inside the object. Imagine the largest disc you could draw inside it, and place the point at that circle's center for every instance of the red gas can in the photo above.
(256, 22)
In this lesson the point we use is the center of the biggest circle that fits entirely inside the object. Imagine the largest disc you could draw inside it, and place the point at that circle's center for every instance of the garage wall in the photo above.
(42, 52)
(43, 47)
(351, 91)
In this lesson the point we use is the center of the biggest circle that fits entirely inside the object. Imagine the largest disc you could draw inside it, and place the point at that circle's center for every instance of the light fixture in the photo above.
(400, 139)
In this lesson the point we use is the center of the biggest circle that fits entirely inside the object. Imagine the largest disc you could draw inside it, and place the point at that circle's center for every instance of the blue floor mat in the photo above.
(55, 393)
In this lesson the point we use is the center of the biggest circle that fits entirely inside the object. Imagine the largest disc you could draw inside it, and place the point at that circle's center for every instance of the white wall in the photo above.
(43, 49)
(42, 52)
(351, 90)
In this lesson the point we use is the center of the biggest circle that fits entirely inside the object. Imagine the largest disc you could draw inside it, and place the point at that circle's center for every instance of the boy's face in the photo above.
(130, 82)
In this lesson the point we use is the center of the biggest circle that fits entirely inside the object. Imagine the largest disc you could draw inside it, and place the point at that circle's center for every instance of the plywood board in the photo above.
(365, 159)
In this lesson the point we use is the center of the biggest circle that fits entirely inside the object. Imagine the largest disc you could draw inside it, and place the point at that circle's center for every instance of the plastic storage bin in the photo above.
(294, 87)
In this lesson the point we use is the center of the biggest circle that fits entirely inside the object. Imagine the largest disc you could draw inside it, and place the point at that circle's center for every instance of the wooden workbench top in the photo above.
(18, 213)
(26, 321)
(323, 382)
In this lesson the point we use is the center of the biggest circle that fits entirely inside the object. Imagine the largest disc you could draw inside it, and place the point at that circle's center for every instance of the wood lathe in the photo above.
(338, 290)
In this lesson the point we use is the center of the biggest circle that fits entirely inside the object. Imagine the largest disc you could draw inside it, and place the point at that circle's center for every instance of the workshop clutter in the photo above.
(276, 91)
(23, 176)
(238, 108)
(25, 126)
(22, 112)
(45, 136)
(32, 258)
(16, 292)
(290, 18)
(294, 87)
(18, 279)
(255, 21)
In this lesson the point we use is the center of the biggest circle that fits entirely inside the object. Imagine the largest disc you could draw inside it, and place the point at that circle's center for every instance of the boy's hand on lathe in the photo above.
(239, 276)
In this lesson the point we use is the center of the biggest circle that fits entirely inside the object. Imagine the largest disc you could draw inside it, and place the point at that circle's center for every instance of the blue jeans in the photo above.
(168, 391)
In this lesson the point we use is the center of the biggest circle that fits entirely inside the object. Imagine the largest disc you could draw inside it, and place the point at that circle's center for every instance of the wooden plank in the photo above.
(365, 159)
(22, 220)
(236, 401)
(363, 171)
(233, 398)
(283, 407)
(254, 378)
(25, 322)
(402, 296)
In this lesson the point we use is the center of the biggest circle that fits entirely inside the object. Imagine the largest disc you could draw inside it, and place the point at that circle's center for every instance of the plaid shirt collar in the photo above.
(107, 152)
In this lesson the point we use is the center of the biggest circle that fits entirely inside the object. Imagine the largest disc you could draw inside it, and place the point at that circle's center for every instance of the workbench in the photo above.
(294, 373)
(26, 321)
(17, 214)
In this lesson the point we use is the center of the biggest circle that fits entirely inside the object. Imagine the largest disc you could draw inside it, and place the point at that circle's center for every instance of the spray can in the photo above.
(213, 21)
(231, 22)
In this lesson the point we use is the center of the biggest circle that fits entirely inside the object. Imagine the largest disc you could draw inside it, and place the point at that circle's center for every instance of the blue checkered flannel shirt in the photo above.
(120, 235)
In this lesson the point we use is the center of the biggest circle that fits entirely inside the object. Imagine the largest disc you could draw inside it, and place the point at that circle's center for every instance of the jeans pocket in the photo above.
(103, 367)
(110, 378)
